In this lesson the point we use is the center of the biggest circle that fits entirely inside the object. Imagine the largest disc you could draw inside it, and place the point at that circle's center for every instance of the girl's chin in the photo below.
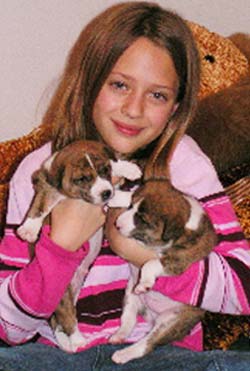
(122, 148)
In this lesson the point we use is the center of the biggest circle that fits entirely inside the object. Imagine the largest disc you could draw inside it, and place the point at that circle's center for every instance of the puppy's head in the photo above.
(82, 170)
(156, 216)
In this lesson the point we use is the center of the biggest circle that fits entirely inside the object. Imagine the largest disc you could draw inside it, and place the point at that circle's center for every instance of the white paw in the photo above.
(127, 354)
(126, 169)
(118, 337)
(29, 230)
(70, 343)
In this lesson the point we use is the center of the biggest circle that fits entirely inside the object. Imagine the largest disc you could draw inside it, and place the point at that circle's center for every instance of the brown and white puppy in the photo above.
(175, 226)
(82, 170)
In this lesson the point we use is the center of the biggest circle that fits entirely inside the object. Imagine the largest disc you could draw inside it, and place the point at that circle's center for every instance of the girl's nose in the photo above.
(133, 106)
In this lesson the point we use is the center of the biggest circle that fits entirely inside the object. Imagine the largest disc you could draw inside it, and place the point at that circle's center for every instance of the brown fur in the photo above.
(166, 212)
(161, 217)
(67, 173)
(242, 41)
(70, 172)
(221, 126)
(188, 317)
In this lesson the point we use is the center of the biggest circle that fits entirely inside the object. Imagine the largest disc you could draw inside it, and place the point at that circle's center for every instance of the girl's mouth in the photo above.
(126, 129)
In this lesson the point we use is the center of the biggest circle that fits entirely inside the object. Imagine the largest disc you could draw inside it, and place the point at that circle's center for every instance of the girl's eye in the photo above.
(119, 85)
(105, 171)
(159, 96)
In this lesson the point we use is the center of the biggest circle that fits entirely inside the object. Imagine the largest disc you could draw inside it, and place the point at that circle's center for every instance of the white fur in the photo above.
(125, 221)
(70, 343)
(31, 227)
(126, 169)
(164, 318)
(29, 230)
(149, 272)
(77, 281)
(47, 164)
(120, 199)
(100, 185)
(120, 168)
(163, 321)
(196, 213)
(89, 161)
(133, 305)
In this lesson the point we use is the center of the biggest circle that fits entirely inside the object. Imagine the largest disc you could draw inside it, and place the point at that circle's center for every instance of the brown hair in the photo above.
(93, 56)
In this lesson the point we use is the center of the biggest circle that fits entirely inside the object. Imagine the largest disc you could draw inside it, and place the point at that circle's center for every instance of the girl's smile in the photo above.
(138, 97)
(127, 130)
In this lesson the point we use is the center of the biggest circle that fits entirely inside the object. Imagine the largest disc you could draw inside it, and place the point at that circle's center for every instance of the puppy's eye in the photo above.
(140, 218)
(105, 171)
(82, 179)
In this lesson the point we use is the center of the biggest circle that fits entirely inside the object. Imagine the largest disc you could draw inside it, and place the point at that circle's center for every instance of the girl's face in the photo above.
(138, 97)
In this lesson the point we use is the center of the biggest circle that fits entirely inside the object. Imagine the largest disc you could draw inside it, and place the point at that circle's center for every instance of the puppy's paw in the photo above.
(127, 354)
(118, 337)
(70, 343)
(29, 230)
(120, 357)
(126, 169)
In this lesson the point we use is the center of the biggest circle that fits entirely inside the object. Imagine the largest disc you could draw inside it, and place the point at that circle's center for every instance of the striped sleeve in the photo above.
(29, 293)
(218, 283)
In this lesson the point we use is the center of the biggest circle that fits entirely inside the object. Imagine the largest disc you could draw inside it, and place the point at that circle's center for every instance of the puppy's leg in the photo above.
(132, 305)
(42, 205)
(64, 321)
(171, 325)
(149, 272)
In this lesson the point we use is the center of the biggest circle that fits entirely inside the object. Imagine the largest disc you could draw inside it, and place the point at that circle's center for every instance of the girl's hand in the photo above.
(73, 222)
(126, 248)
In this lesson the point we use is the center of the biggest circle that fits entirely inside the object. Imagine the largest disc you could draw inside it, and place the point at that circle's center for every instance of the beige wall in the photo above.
(35, 36)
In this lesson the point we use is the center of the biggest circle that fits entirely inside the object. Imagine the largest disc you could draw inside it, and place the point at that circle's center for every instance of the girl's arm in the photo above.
(30, 292)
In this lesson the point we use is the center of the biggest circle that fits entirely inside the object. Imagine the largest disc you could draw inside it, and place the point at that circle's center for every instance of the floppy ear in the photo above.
(55, 176)
(38, 179)
(172, 230)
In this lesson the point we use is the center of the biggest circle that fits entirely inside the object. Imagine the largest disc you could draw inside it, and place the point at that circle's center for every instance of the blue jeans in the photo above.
(38, 357)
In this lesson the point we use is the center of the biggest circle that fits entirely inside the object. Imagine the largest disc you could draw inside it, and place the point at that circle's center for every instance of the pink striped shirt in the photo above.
(30, 291)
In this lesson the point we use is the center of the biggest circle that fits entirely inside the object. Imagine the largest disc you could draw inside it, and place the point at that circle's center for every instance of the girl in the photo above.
(131, 81)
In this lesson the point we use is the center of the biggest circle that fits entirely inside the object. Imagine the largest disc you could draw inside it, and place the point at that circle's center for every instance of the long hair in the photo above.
(92, 58)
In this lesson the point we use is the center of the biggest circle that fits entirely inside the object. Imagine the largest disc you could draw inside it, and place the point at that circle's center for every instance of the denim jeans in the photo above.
(39, 357)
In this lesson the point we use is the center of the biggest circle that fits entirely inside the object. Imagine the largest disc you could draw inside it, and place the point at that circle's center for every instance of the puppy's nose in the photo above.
(106, 195)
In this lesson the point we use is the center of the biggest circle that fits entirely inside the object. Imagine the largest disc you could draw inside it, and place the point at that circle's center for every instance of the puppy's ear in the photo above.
(172, 230)
(38, 179)
(55, 176)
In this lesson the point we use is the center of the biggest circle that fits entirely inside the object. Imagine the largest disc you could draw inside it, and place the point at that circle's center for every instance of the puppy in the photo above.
(82, 170)
(175, 226)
